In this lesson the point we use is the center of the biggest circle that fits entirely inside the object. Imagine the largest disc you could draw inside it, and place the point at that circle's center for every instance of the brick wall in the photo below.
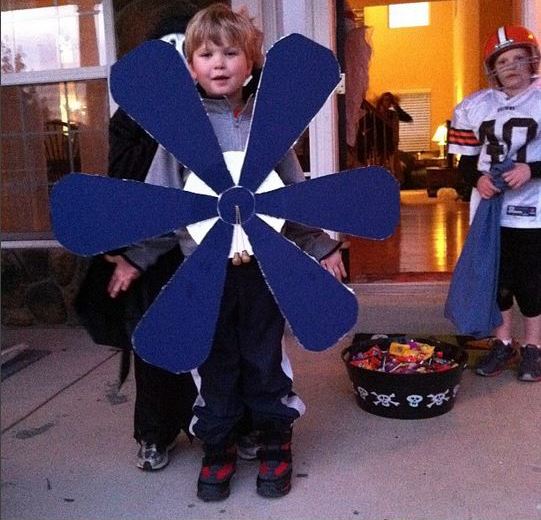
(39, 286)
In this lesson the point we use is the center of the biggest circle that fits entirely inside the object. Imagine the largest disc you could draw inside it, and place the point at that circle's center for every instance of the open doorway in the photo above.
(428, 68)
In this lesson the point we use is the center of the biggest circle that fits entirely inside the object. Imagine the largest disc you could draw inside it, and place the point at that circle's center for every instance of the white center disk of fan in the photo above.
(240, 242)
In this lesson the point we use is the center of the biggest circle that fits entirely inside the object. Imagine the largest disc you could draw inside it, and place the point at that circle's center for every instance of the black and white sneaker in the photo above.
(151, 458)
(529, 368)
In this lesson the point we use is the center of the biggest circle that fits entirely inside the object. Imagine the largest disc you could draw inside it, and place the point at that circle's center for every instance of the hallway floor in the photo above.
(426, 245)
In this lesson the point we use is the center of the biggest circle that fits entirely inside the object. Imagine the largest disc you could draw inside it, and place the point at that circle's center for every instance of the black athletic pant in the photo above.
(246, 368)
(163, 403)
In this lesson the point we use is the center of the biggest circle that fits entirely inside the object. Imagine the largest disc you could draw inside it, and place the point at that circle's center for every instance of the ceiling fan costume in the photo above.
(233, 205)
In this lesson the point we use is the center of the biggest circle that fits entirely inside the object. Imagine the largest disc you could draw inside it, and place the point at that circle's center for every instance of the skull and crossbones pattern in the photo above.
(385, 399)
(362, 392)
(414, 400)
(438, 399)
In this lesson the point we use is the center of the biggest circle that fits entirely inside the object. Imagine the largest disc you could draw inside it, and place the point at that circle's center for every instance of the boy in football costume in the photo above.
(489, 127)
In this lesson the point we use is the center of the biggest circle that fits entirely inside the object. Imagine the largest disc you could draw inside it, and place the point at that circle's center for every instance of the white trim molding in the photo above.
(267, 15)
(324, 146)
(316, 20)
(531, 16)
(55, 76)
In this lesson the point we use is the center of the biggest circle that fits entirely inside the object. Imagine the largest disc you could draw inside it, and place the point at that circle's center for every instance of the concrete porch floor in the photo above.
(67, 450)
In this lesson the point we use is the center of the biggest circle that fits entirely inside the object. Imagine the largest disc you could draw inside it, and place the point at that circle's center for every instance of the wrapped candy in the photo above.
(403, 358)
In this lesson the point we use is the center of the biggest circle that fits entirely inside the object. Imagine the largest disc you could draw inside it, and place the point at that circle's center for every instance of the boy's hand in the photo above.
(517, 176)
(123, 275)
(333, 263)
(486, 187)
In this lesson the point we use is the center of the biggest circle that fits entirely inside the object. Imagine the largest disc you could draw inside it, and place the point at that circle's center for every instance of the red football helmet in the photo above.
(510, 37)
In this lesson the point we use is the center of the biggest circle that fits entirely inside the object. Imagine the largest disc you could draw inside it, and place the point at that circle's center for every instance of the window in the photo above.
(414, 14)
(54, 103)
(415, 136)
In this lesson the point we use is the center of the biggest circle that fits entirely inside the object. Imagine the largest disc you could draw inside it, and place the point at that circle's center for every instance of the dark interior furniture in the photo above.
(441, 177)
(62, 150)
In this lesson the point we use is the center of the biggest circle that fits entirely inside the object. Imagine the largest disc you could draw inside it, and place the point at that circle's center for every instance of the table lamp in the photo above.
(440, 137)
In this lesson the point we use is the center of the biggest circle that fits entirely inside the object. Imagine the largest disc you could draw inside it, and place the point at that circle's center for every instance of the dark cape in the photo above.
(112, 321)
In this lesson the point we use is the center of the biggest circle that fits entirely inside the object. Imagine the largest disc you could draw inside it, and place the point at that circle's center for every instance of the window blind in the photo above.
(415, 136)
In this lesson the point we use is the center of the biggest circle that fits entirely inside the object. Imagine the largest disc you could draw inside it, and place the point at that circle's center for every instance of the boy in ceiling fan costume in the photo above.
(247, 367)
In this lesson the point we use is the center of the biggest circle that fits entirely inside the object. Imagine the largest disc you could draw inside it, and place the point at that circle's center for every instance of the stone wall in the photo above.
(39, 286)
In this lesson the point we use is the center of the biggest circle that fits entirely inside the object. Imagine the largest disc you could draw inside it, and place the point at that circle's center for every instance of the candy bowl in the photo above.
(404, 377)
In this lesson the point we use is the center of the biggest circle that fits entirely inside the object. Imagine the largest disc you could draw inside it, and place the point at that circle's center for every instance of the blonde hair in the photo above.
(220, 25)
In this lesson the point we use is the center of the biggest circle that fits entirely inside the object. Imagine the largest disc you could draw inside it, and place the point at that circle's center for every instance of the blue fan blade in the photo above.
(363, 202)
(319, 309)
(153, 85)
(91, 213)
(298, 77)
(177, 331)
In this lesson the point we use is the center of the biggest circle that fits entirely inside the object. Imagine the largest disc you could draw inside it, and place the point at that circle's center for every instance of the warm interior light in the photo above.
(440, 137)
(408, 15)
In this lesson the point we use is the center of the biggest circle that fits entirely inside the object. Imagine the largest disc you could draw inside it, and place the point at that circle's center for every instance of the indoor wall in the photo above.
(414, 59)
(444, 58)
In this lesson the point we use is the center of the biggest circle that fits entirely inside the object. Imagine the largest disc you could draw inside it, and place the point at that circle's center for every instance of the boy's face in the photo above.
(513, 70)
(221, 70)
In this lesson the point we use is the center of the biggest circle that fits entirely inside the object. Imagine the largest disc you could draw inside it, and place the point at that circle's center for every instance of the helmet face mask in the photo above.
(176, 40)
(506, 38)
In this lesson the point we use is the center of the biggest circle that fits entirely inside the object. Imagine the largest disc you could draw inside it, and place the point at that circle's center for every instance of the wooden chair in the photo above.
(62, 150)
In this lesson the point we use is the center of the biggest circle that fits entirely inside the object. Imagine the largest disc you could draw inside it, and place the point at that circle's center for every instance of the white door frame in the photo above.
(531, 16)
(316, 20)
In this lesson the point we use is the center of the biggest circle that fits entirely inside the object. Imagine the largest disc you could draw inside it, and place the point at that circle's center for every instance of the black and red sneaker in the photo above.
(275, 467)
(219, 466)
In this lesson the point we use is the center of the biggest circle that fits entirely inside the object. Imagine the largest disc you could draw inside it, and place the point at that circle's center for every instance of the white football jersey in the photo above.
(493, 126)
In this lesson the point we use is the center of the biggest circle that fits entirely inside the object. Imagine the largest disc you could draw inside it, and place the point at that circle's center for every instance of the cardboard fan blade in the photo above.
(319, 309)
(112, 213)
(298, 77)
(177, 331)
(364, 202)
(153, 85)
